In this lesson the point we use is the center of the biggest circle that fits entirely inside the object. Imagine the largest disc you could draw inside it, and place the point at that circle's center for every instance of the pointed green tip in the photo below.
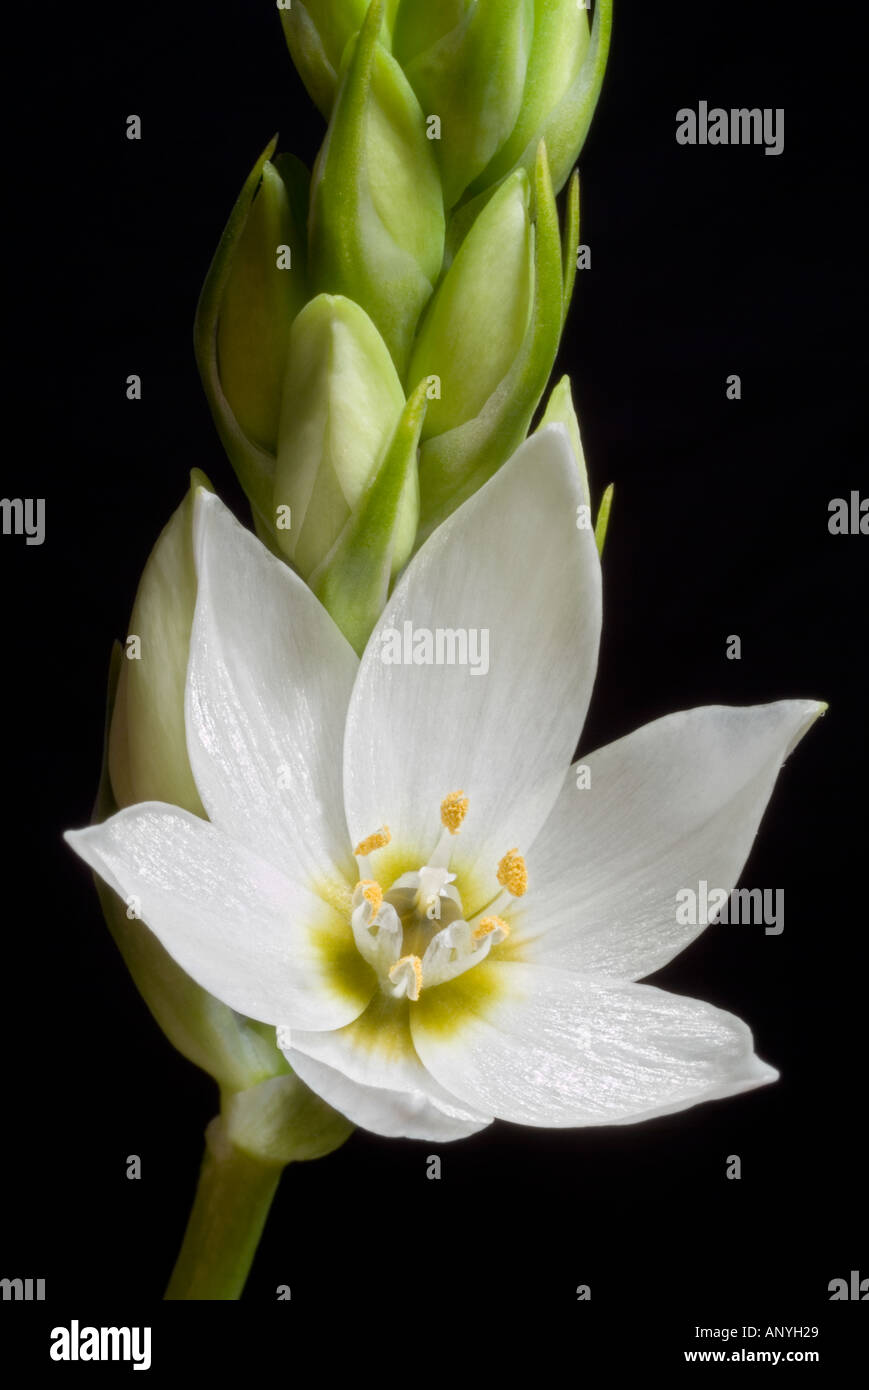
(603, 518)
(200, 479)
(374, 19)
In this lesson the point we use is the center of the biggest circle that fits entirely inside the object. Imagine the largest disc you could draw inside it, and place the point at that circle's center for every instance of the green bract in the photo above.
(377, 221)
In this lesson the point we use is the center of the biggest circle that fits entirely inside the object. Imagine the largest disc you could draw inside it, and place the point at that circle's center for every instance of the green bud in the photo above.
(467, 62)
(559, 48)
(353, 581)
(147, 742)
(479, 317)
(567, 121)
(565, 75)
(377, 220)
(145, 708)
(317, 33)
(264, 291)
(342, 402)
(454, 464)
(251, 293)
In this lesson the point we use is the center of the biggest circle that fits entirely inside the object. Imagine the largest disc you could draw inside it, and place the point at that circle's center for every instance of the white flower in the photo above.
(478, 958)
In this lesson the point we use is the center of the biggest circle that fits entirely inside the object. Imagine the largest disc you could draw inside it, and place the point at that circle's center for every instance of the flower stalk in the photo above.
(234, 1195)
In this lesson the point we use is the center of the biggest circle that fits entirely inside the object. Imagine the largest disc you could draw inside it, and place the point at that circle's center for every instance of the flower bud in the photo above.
(565, 71)
(354, 579)
(377, 221)
(342, 402)
(467, 62)
(317, 33)
(454, 464)
(478, 319)
(255, 286)
(264, 291)
(145, 758)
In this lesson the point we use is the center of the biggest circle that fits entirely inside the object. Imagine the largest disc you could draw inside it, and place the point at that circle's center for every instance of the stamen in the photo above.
(406, 975)
(512, 873)
(380, 838)
(372, 893)
(454, 808)
(489, 926)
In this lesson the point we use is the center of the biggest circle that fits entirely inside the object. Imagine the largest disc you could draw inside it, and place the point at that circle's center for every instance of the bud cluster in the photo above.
(374, 338)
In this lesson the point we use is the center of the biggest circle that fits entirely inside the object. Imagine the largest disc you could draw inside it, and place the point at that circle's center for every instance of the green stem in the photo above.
(229, 1213)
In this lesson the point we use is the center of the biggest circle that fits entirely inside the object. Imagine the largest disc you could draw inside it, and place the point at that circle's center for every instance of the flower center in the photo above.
(415, 934)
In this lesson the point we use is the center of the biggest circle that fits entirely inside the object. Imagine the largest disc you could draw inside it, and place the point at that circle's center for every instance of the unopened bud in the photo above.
(317, 33)
(467, 61)
(377, 220)
(264, 291)
(478, 319)
(565, 71)
(342, 402)
(454, 464)
(354, 580)
(257, 307)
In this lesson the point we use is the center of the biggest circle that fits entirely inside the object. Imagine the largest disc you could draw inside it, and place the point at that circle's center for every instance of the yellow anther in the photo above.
(487, 926)
(372, 893)
(380, 838)
(513, 874)
(454, 808)
(410, 967)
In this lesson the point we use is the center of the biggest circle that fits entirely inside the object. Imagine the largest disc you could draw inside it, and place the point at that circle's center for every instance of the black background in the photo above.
(705, 261)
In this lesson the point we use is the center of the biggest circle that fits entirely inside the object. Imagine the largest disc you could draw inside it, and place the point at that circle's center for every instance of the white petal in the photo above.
(510, 563)
(370, 1072)
(260, 943)
(676, 802)
(543, 1047)
(267, 690)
